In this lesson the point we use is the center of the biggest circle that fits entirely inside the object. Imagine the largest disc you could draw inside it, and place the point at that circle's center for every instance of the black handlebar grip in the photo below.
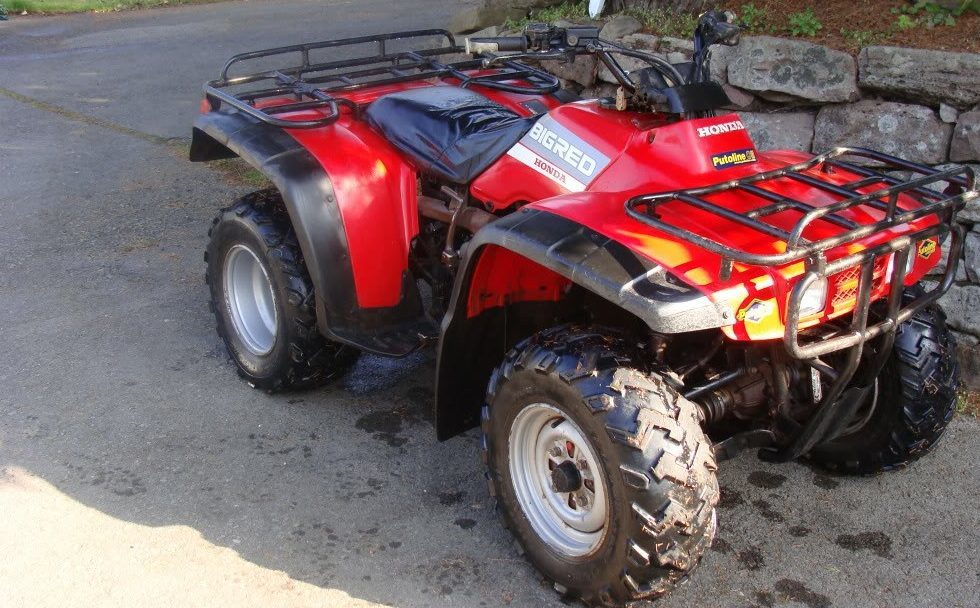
(728, 33)
(500, 44)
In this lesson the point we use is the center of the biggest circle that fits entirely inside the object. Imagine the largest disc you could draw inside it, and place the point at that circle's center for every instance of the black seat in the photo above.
(450, 132)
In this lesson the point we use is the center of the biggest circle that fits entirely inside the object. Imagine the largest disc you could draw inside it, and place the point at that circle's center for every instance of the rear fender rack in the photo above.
(961, 186)
(319, 85)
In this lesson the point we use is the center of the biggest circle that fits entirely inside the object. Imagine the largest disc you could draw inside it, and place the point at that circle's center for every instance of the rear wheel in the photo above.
(262, 298)
(907, 412)
(601, 470)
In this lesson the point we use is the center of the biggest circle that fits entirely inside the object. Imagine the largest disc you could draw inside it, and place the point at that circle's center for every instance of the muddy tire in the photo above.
(916, 400)
(262, 298)
(623, 474)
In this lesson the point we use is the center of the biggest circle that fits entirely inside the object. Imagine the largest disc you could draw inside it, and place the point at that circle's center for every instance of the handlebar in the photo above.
(537, 38)
(717, 27)
(499, 44)
(542, 41)
(713, 27)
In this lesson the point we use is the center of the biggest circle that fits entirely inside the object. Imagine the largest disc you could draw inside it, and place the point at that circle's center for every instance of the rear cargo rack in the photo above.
(959, 184)
(319, 85)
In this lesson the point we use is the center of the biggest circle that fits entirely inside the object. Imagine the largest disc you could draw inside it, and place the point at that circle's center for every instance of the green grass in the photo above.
(968, 404)
(237, 171)
(566, 11)
(662, 22)
(804, 23)
(756, 20)
(15, 7)
(858, 39)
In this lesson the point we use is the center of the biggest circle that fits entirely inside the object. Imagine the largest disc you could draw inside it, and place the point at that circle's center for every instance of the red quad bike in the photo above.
(622, 292)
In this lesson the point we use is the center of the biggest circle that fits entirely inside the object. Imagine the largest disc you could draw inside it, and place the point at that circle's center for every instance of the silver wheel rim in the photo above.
(542, 438)
(248, 294)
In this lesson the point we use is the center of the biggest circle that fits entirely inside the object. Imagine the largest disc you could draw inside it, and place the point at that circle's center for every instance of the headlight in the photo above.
(909, 265)
(814, 299)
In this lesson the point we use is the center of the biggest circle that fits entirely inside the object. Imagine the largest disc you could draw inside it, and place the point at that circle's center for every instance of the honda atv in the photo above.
(622, 292)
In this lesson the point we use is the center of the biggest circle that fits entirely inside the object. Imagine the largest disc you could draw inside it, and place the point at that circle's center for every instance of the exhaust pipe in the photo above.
(470, 219)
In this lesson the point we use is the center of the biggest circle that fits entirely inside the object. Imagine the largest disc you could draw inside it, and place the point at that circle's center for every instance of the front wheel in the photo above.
(601, 470)
(912, 403)
(262, 298)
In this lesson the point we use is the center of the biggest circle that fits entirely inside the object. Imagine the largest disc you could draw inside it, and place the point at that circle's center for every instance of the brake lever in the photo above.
(534, 56)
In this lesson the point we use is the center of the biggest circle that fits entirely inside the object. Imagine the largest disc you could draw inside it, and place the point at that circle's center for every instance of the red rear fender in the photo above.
(378, 201)
(348, 310)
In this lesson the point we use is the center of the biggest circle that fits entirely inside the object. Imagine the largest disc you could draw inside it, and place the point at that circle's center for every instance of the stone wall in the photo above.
(917, 104)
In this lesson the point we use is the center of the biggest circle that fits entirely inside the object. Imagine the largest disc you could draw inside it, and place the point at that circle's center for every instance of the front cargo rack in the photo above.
(959, 185)
(852, 377)
(319, 85)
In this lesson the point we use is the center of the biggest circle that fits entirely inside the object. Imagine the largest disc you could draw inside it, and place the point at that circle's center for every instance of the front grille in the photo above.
(846, 286)
(845, 283)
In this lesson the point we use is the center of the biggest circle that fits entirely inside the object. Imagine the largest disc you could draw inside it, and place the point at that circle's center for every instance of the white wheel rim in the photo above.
(572, 523)
(249, 298)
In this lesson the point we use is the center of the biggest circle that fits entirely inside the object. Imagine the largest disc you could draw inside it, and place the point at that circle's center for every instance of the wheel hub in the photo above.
(566, 478)
(251, 304)
(558, 480)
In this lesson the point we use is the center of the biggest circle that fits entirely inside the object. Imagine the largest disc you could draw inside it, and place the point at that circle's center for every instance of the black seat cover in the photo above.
(448, 131)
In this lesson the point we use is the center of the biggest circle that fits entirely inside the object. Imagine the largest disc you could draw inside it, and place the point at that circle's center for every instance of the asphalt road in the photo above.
(139, 471)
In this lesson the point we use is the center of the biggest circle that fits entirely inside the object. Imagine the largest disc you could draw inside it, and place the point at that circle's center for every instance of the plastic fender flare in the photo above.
(309, 197)
(573, 251)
